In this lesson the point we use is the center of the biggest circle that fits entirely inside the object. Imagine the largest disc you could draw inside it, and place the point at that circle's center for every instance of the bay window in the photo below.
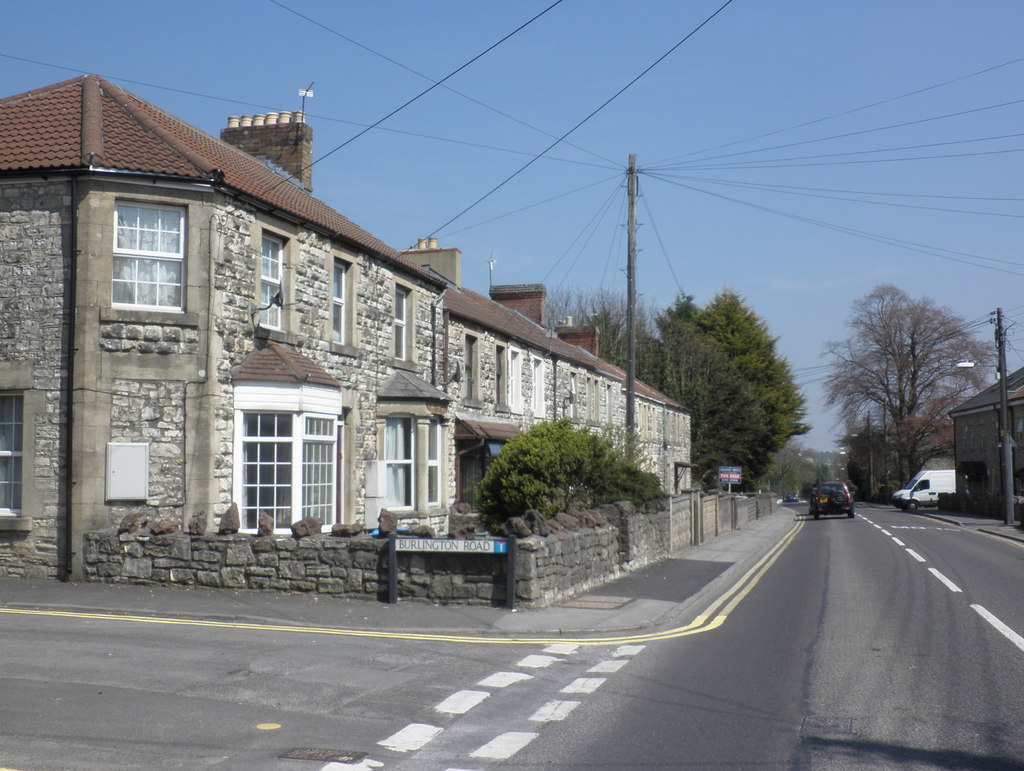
(398, 457)
(287, 450)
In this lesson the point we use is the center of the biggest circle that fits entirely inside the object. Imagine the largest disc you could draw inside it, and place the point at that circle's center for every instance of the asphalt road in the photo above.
(885, 641)
(849, 653)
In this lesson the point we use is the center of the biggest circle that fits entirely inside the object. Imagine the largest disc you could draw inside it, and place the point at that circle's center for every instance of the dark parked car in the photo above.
(831, 498)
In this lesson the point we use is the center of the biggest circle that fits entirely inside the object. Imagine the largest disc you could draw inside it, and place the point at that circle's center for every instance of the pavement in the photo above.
(659, 596)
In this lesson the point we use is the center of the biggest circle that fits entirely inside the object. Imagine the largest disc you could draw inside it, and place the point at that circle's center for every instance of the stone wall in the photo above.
(548, 569)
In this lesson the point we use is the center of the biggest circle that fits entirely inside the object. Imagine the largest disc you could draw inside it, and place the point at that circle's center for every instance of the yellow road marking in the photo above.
(705, 622)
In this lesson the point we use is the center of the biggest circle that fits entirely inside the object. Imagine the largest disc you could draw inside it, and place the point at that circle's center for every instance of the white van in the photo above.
(924, 487)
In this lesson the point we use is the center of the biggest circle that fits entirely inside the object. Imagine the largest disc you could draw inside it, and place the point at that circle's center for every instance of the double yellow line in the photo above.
(712, 618)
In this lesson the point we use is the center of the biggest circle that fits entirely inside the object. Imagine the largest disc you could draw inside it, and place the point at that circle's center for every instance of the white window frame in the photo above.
(471, 362)
(12, 429)
(339, 290)
(136, 254)
(433, 491)
(271, 277)
(402, 298)
(400, 462)
(537, 386)
(501, 389)
(515, 379)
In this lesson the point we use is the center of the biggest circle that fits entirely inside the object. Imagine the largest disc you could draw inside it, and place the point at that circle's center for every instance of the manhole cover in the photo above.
(329, 756)
(818, 725)
(596, 602)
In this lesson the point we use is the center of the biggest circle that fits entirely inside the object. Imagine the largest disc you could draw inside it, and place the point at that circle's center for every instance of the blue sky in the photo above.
(797, 152)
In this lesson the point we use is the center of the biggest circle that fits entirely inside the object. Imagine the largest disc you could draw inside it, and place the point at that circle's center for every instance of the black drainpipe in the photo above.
(65, 552)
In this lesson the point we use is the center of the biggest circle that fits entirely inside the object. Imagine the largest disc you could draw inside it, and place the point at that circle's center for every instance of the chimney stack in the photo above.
(282, 139)
(585, 337)
(528, 299)
(447, 262)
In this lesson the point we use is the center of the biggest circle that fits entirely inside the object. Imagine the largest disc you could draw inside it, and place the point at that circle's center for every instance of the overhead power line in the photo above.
(604, 104)
(946, 254)
(425, 91)
(853, 110)
(419, 74)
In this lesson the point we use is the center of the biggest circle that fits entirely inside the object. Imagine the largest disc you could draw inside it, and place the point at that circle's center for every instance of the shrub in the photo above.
(554, 467)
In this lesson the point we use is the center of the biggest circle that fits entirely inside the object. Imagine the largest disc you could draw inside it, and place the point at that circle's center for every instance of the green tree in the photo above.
(697, 373)
(745, 339)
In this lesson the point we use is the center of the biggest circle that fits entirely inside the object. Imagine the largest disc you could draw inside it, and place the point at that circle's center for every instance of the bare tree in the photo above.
(901, 363)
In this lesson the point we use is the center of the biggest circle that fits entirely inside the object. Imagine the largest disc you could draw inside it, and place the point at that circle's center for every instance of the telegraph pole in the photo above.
(631, 187)
(1005, 449)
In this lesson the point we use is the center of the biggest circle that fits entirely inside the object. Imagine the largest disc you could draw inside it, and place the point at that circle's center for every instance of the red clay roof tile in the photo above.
(89, 122)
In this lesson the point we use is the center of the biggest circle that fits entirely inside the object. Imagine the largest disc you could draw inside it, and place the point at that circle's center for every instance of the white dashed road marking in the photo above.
(461, 702)
(584, 685)
(554, 710)
(537, 662)
(504, 746)
(504, 679)
(606, 667)
(897, 541)
(410, 738)
(916, 556)
(1002, 628)
(561, 648)
(949, 584)
(628, 650)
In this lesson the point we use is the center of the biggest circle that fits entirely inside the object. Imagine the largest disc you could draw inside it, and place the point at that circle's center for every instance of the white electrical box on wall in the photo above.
(127, 471)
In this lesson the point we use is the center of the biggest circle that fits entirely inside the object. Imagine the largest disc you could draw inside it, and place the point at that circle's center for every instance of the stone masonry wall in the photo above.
(548, 569)
(34, 215)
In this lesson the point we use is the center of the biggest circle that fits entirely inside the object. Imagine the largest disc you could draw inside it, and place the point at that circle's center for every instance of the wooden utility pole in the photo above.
(1005, 429)
(631, 187)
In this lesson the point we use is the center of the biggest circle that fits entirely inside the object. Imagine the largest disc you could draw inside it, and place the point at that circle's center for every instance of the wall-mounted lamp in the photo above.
(456, 376)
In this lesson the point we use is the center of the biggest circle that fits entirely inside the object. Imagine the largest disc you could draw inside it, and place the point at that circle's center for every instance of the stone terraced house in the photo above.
(185, 328)
(516, 370)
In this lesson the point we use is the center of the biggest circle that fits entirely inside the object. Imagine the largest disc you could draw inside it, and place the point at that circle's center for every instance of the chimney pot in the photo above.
(271, 119)
(300, 116)
(285, 116)
(233, 121)
(246, 121)
(421, 243)
(259, 120)
(431, 243)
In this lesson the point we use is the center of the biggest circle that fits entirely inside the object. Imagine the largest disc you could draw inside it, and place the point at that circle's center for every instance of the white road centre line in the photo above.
(584, 685)
(536, 661)
(608, 666)
(949, 584)
(886, 532)
(916, 556)
(410, 738)
(897, 541)
(504, 679)
(1002, 628)
(554, 710)
(562, 648)
(628, 650)
(461, 702)
(504, 746)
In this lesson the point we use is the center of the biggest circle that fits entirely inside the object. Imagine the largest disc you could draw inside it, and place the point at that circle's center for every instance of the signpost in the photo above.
(498, 546)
